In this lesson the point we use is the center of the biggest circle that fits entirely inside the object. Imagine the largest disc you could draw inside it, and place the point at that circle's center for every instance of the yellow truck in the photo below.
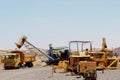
(17, 59)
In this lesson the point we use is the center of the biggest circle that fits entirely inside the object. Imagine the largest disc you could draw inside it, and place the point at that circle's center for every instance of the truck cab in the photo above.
(11, 61)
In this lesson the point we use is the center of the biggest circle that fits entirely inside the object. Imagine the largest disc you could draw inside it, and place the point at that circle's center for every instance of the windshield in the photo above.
(12, 56)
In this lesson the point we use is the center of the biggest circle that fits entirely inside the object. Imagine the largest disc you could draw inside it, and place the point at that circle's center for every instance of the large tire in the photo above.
(30, 64)
(90, 74)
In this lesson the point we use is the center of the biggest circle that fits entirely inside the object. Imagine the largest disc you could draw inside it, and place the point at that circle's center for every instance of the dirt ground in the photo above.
(45, 73)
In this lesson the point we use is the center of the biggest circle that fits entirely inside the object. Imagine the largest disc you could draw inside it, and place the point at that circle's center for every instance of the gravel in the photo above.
(45, 73)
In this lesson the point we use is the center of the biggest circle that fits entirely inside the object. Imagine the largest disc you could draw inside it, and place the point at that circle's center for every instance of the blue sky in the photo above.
(59, 21)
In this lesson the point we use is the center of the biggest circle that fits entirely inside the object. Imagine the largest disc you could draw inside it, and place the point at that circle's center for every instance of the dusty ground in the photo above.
(45, 73)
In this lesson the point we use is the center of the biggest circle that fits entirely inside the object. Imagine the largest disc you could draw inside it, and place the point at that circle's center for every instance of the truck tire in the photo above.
(19, 66)
(90, 79)
(30, 64)
(5, 68)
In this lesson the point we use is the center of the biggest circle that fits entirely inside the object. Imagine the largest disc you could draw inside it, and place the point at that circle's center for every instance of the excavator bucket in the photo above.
(21, 41)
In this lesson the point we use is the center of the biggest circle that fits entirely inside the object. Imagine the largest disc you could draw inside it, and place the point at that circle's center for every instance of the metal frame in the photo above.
(82, 43)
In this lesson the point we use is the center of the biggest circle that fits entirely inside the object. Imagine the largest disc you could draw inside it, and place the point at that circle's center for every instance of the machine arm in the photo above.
(23, 39)
(39, 50)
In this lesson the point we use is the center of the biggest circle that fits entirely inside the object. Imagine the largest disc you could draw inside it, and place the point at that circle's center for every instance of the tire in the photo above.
(30, 64)
(5, 68)
(75, 71)
(87, 78)
(19, 66)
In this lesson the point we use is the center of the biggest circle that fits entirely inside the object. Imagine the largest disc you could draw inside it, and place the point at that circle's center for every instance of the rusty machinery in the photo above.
(105, 58)
(84, 61)
(80, 62)
(83, 58)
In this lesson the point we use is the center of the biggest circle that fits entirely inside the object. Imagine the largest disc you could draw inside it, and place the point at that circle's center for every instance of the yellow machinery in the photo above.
(79, 62)
(62, 65)
(81, 58)
(105, 58)
(104, 45)
(17, 59)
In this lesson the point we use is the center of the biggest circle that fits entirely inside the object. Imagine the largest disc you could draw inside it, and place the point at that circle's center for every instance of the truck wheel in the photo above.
(19, 65)
(5, 68)
(88, 79)
(30, 64)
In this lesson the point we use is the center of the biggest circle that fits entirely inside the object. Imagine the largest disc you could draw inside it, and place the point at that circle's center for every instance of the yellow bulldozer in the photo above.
(79, 62)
